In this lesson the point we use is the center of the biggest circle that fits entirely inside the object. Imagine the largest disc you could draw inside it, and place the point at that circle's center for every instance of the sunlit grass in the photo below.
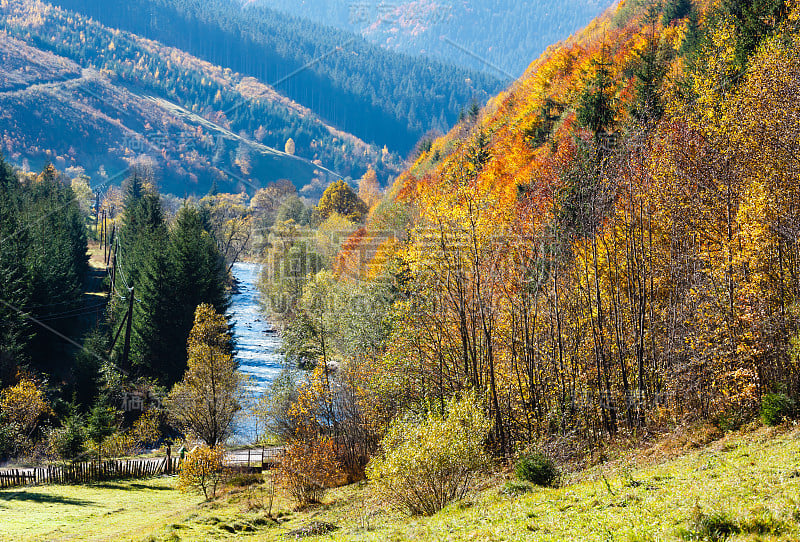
(745, 487)
(116, 510)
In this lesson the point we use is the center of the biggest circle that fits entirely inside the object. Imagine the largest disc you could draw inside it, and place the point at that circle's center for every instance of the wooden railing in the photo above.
(259, 458)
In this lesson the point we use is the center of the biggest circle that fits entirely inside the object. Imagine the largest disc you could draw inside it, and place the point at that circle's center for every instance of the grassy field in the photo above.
(743, 487)
(114, 510)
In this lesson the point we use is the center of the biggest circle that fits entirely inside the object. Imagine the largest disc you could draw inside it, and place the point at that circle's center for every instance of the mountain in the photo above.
(612, 245)
(82, 95)
(499, 37)
(382, 97)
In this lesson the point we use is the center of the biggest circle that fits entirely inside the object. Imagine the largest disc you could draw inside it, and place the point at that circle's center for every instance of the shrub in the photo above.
(513, 488)
(538, 469)
(244, 480)
(202, 470)
(308, 468)
(764, 522)
(427, 464)
(711, 527)
(68, 441)
(145, 431)
(23, 407)
(775, 407)
(9, 437)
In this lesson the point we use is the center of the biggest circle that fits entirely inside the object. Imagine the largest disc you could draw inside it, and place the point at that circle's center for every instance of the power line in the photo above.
(74, 312)
(118, 254)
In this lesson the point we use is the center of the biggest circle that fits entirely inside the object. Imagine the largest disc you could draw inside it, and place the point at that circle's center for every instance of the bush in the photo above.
(9, 438)
(308, 468)
(514, 488)
(538, 469)
(68, 441)
(776, 407)
(202, 470)
(145, 431)
(244, 480)
(427, 464)
(712, 527)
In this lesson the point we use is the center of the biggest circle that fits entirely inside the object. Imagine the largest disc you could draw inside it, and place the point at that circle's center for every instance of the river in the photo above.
(258, 348)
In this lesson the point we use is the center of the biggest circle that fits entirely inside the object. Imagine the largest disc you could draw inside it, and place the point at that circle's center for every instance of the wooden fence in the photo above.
(99, 471)
(92, 471)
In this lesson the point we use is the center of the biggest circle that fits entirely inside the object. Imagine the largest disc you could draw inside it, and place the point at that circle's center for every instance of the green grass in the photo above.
(116, 510)
(743, 487)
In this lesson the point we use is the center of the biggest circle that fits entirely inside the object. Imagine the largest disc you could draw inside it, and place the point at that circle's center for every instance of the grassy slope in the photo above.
(119, 511)
(752, 478)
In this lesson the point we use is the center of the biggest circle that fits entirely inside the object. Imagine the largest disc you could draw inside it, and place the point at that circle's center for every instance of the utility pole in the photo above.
(104, 238)
(113, 273)
(126, 349)
(111, 240)
(96, 211)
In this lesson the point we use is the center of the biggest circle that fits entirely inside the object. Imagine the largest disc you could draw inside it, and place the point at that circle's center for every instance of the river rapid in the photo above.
(258, 346)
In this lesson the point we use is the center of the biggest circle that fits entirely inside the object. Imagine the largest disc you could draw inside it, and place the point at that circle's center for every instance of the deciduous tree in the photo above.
(205, 402)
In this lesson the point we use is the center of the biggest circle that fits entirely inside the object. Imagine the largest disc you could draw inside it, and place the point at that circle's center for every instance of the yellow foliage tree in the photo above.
(308, 468)
(369, 190)
(202, 470)
(205, 402)
(339, 198)
(24, 405)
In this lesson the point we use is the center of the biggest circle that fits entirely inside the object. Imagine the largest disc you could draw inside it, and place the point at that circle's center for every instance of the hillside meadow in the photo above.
(743, 486)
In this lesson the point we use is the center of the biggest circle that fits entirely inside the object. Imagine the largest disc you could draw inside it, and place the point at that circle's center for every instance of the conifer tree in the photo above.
(56, 261)
(14, 331)
(196, 274)
(755, 20)
(596, 104)
(143, 242)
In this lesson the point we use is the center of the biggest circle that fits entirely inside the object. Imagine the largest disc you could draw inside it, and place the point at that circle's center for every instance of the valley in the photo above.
(463, 270)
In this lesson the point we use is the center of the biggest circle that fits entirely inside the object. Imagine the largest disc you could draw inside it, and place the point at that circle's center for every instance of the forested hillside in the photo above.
(598, 269)
(381, 97)
(499, 37)
(100, 100)
(43, 271)
(609, 248)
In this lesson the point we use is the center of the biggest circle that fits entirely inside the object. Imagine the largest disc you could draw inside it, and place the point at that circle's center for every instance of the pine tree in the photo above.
(647, 107)
(143, 227)
(754, 20)
(675, 10)
(14, 330)
(100, 424)
(143, 241)
(196, 274)
(56, 262)
(152, 330)
(596, 105)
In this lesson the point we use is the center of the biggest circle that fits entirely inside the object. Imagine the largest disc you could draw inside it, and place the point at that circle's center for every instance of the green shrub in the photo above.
(244, 480)
(776, 407)
(764, 522)
(68, 441)
(429, 463)
(514, 488)
(538, 469)
(712, 527)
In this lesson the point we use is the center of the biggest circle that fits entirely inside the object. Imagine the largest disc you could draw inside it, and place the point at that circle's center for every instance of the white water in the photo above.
(257, 349)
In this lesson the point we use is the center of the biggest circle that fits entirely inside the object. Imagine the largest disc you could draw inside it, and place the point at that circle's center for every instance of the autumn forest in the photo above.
(603, 254)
